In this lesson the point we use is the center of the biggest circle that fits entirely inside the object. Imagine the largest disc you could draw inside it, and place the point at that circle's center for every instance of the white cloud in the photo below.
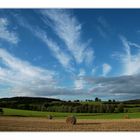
(89, 55)
(134, 44)
(79, 83)
(22, 76)
(71, 37)
(103, 27)
(106, 69)
(102, 32)
(93, 71)
(103, 22)
(69, 29)
(81, 72)
(63, 57)
(131, 62)
(6, 34)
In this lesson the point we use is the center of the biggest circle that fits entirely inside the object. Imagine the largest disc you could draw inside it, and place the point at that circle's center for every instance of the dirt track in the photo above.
(43, 124)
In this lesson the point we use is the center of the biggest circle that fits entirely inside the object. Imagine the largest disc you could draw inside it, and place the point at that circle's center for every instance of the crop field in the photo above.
(43, 124)
(23, 120)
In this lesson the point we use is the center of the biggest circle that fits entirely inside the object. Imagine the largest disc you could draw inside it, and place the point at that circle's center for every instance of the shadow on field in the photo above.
(88, 123)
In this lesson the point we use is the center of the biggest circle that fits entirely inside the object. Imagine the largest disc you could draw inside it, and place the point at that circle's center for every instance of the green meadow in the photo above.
(58, 115)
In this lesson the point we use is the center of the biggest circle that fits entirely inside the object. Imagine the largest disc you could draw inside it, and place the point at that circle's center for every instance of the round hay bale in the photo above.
(71, 120)
(50, 117)
(126, 117)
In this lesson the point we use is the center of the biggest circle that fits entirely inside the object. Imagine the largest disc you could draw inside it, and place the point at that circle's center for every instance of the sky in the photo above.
(70, 53)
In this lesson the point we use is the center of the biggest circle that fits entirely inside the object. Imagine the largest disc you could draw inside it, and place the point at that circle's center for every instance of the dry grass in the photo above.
(43, 124)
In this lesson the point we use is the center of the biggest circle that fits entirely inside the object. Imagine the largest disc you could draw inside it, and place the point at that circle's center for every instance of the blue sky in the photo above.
(70, 53)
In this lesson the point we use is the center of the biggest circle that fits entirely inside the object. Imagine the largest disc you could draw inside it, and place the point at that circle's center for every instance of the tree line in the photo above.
(87, 108)
(72, 107)
(51, 105)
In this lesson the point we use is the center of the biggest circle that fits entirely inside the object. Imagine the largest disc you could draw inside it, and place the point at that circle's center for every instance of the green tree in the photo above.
(114, 101)
(120, 108)
(96, 99)
(109, 101)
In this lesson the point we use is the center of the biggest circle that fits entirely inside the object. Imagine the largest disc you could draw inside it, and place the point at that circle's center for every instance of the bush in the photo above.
(125, 110)
(71, 120)
(1, 111)
(120, 108)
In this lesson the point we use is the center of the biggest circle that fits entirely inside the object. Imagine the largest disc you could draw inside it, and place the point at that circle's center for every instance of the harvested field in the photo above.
(43, 124)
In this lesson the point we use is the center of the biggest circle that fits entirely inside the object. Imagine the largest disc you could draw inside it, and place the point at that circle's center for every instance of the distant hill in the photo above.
(31, 100)
(29, 103)
(136, 101)
(38, 100)
(34, 103)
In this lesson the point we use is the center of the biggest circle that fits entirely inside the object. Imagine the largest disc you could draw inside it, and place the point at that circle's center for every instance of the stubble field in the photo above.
(43, 124)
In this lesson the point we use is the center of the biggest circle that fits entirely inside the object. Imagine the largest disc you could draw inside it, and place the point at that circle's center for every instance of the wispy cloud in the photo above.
(6, 34)
(131, 62)
(23, 79)
(81, 72)
(89, 55)
(57, 52)
(19, 74)
(103, 27)
(106, 69)
(67, 27)
(134, 44)
(94, 70)
(63, 57)
(102, 32)
(103, 22)
(79, 83)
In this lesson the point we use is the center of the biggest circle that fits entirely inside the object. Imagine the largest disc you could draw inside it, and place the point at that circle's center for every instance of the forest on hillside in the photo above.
(56, 105)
